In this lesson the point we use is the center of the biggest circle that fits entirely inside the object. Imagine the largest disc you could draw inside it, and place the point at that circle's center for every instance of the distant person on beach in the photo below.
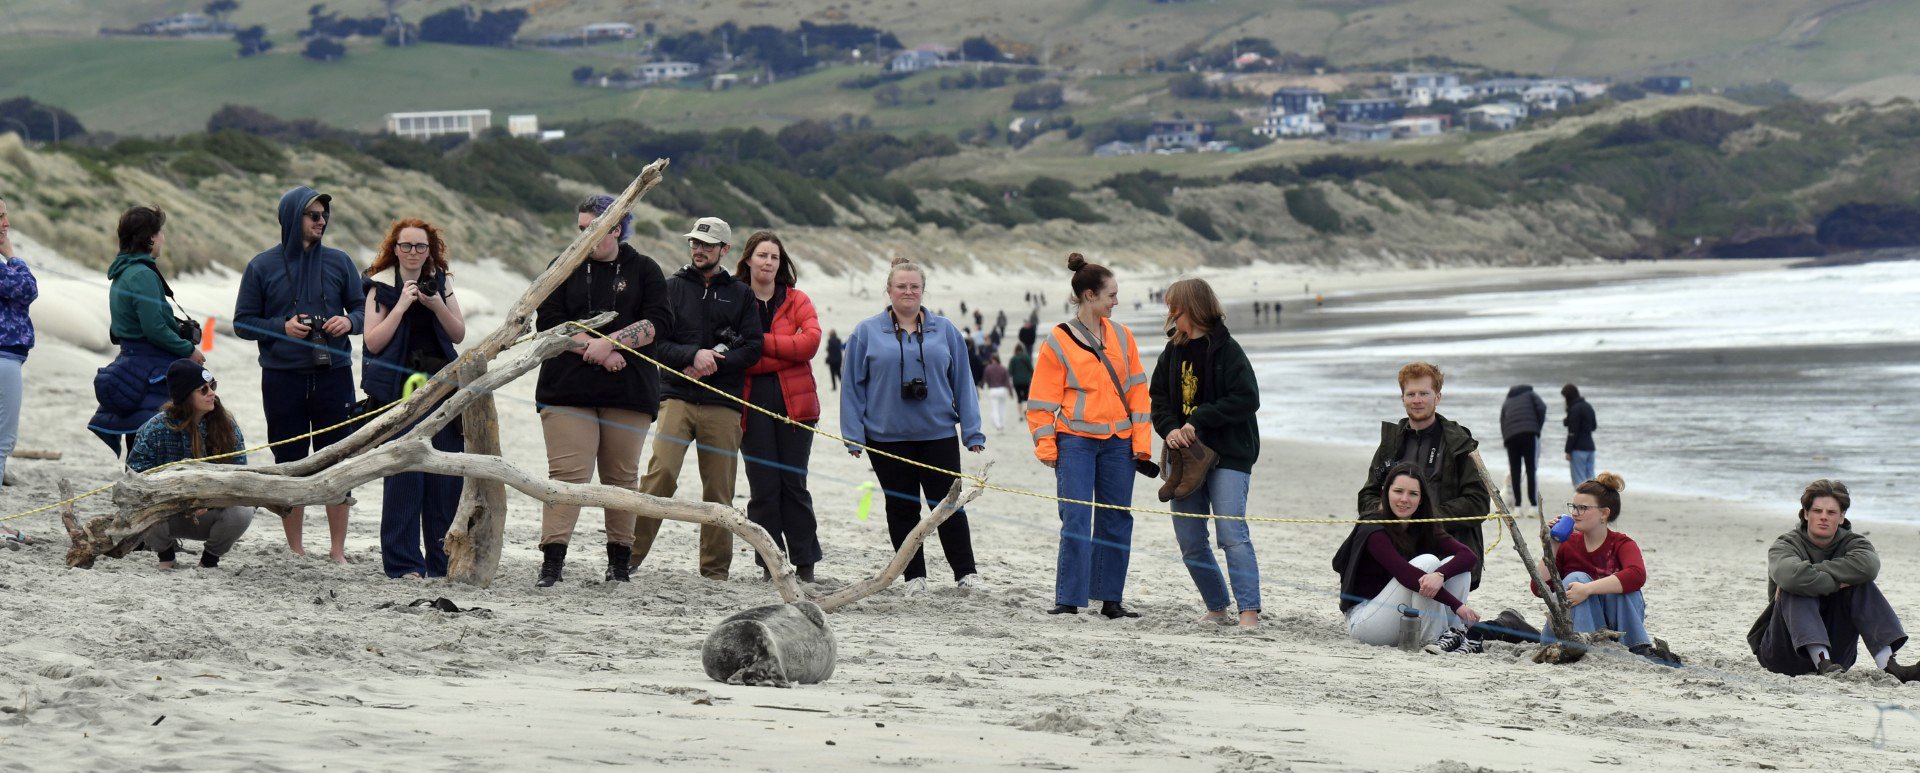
(833, 357)
(1521, 418)
(999, 391)
(132, 388)
(1089, 414)
(1388, 568)
(1204, 392)
(1580, 425)
(1822, 597)
(18, 289)
(716, 336)
(777, 453)
(1020, 372)
(597, 402)
(1602, 570)
(301, 299)
(413, 320)
(1029, 331)
(1441, 450)
(907, 386)
(193, 424)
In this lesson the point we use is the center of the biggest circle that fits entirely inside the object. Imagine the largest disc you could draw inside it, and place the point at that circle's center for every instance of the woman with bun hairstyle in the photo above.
(905, 386)
(412, 323)
(1601, 569)
(1088, 412)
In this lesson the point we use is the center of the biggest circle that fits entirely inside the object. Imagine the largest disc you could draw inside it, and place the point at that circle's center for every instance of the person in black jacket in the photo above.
(1522, 417)
(1442, 450)
(716, 336)
(597, 402)
(1580, 426)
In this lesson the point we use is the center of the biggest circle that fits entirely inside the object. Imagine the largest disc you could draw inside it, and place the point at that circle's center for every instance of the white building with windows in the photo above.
(434, 123)
(658, 72)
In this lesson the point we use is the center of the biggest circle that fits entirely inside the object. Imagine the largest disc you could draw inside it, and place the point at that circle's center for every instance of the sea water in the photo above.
(1746, 385)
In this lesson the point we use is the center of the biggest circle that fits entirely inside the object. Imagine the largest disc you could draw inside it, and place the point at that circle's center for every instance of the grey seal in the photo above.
(771, 646)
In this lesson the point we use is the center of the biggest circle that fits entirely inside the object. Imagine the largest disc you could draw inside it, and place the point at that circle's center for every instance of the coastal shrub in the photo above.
(1199, 222)
(1270, 174)
(1145, 189)
(1309, 207)
(1046, 96)
(1344, 167)
(245, 152)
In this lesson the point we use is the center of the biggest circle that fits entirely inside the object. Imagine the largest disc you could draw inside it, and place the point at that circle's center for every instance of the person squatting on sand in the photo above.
(1204, 393)
(1521, 418)
(596, 402)
(777, 453)
(1388, 569)
(1821, 595)
(192, 425)
(715, 338)
(301, 299)
(1602, 570)
(413, 321)
(132, 387)
(906, 385)
(1580, 425)
(18, 289)
(1088, 413)
(1441, 450)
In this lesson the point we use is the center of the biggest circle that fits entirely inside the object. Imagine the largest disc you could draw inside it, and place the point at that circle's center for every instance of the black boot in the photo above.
(1062, 609)
(1112, 610)
(805, 572)
(617, 558)
(1906, 673)
(550, 568)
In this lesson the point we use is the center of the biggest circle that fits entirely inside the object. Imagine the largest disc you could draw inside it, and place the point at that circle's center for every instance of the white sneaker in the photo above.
(916, 586)
(973, 582)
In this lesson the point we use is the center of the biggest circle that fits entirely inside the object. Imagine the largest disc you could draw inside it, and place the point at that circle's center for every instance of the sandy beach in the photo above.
(278, 663)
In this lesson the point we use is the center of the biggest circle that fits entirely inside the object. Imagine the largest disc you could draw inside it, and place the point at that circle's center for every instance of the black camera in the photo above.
(428, 284)
(188, 330)
(914, 390)
(725, 338)
(322, 356)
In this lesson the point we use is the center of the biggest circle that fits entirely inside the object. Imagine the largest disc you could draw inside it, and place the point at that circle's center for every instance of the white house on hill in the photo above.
(434, 123)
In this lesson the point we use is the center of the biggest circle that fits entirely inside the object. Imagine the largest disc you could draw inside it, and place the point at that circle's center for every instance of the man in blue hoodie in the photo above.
(300, 300)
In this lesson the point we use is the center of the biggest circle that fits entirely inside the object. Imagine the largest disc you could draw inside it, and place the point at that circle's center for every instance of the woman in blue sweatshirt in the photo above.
(906, 385)
(17, 291)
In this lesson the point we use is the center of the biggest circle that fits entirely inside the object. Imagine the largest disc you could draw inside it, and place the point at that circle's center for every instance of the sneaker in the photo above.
(916, 586)
(1454, 641)
(972, 582)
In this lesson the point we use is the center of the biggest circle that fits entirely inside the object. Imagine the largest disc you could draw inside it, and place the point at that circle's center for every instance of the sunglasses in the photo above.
(209, 387)
(318, 217)
(411, 247)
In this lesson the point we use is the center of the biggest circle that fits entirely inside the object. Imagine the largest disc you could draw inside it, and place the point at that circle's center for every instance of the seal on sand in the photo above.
(771, 646)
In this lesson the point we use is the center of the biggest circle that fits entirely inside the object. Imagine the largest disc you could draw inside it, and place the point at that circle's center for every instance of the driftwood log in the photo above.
(1572, 646)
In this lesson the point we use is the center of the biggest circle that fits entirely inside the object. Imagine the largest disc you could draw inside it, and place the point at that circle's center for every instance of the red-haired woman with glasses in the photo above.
(413, 321)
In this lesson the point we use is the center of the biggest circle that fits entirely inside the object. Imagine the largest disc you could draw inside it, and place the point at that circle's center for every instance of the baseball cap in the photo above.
(711, 230)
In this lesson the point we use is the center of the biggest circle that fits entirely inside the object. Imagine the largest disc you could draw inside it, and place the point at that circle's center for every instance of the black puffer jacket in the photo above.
(702, 307)
(1524, 412)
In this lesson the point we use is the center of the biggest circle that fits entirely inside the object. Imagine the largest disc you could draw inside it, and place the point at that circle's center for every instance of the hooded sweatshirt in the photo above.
(138, 305)
(634, 288)
(290, 279)
(1796, 565)
(1227, 402)
(1523, 414)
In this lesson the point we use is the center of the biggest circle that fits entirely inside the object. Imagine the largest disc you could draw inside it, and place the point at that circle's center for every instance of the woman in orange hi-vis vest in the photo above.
(1088, 411)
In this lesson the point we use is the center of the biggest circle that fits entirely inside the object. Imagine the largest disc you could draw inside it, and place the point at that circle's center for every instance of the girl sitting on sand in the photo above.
(1386, 567)
(1601, 569)
(192, 425)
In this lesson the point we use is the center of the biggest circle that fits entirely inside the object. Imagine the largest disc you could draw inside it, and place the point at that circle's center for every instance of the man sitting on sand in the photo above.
(1441, 450)
(1821, 595)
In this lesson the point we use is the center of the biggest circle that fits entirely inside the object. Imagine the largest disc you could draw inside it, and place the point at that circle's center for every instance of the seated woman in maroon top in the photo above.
(1601, 569)
(1388, 567)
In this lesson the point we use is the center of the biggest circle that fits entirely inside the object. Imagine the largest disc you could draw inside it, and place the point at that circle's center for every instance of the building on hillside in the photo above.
(1118, 148)
(1167, 135)
(1419, 126)
(1547, 99)
(607, 30)
(1454, 93)
(1405, 83)
(1290, 101)
(1498, 116)
(1668, 84)
(434, 123)
(1279, 124)
(1363, 132)
(916, 60)
(659, 72)
(1500, 87)
(185, 24)
(527, 126)
(722, 81)
(1378, 110)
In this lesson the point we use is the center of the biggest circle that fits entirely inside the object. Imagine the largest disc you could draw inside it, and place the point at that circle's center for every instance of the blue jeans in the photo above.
(11, 390)
(1623, 612)
(1582, 466)
(1093, 566)
(1225, 492)
(417, 508)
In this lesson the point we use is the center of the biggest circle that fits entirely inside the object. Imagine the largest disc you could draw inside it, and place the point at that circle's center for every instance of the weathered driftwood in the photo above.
(1559, 620)
(954, 500)
(478, 532)
(35, 453)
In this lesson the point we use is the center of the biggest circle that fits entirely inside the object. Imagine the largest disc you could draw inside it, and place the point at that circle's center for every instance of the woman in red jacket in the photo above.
(781, 382)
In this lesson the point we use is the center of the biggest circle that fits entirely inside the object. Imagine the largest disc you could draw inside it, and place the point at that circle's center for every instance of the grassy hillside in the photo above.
(1818, 45)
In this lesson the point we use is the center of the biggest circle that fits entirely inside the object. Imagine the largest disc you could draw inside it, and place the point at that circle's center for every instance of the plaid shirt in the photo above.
(159, 442)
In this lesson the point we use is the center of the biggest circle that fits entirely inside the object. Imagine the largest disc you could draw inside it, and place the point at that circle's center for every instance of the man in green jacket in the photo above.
(1821, 595)
(1442, 449)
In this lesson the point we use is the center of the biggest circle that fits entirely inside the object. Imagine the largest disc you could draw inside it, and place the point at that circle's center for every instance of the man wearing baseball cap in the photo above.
(715, 337)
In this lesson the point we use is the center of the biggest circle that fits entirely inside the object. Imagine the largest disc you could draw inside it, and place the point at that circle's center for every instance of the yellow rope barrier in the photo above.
(981, 482)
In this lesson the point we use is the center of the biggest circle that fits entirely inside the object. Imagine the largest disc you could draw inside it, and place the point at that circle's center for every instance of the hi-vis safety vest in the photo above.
(1073, 393)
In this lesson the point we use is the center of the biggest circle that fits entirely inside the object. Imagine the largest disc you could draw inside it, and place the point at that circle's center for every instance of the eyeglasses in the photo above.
(208, 388)
(411, 247)
(1581, 509)
(698, 246)
(318, 217)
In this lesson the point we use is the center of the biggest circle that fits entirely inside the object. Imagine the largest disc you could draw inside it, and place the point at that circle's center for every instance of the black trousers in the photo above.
(1837, 620)
(833, 371)
(904, 485)
(1524, 451)
(777, 454)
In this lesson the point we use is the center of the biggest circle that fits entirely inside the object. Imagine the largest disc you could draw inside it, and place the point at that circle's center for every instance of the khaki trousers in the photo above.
(714, 432)
(577, 439)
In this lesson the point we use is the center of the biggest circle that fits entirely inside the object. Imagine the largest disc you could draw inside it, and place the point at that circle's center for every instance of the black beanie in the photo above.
(184, 376)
